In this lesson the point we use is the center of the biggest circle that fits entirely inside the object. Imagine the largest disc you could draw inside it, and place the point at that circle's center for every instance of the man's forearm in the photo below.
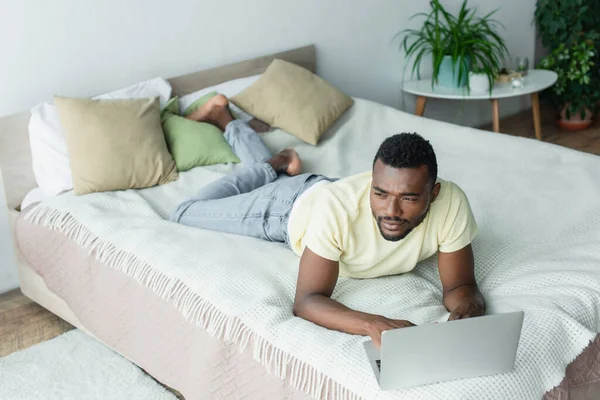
(457, 296)
(330, 314)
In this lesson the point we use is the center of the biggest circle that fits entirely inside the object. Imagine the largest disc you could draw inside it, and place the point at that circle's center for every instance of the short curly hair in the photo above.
(408, 150)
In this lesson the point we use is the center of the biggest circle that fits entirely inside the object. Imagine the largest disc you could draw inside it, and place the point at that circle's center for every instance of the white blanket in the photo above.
(538, 250)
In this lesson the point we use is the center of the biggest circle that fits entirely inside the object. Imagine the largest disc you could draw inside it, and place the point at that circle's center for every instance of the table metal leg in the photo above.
(420, 106)
(495, 115)
(537, 122)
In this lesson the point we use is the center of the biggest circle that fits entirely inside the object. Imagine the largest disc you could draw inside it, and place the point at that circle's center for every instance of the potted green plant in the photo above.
(575, 92)
(569, 31)
(454, 43)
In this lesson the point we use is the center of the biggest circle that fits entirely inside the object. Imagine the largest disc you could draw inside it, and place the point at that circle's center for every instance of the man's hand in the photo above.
(468, 308)
(380, 324)
(461, 295)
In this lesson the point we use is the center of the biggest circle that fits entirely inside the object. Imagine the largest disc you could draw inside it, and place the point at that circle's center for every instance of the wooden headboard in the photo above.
(15, 154)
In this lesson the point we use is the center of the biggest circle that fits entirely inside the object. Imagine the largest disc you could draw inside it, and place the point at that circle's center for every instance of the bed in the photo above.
(172, 331)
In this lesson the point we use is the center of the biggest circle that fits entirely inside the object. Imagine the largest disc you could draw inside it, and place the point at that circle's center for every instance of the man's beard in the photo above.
(398, 237)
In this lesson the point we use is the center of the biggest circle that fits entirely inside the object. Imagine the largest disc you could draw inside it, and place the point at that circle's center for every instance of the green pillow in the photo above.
(193, 144)
(172, 106)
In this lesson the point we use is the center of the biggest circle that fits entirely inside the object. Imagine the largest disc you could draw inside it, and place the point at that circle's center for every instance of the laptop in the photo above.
(444, 351)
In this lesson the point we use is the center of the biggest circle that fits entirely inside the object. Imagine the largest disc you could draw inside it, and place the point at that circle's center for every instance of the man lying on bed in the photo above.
(378, 223)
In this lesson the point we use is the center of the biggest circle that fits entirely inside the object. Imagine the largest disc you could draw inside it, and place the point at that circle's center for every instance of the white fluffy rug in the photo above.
(74, 366)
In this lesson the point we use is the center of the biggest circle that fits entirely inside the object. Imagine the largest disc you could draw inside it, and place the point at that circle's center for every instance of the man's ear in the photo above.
(435, 191)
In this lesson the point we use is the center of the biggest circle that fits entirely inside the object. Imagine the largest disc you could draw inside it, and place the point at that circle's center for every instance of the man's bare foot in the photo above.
(286, 161)
(215, 111)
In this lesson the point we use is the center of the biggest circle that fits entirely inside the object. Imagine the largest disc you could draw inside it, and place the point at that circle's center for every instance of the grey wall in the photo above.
(81, 48)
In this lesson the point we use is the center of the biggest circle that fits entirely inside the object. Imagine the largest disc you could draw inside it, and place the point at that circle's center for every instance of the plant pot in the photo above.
(478, 83)
(576, 122)
(448, 74)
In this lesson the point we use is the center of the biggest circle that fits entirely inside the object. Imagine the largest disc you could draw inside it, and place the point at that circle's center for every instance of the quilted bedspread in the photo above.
(537, 250)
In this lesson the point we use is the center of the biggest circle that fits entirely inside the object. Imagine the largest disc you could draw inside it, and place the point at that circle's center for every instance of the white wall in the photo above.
(8, 268)
(82, 48)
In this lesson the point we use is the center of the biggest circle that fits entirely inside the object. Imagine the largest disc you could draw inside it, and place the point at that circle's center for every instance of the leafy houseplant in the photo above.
(576, 92)
(563, 21)
(569, 30)
(454, 43)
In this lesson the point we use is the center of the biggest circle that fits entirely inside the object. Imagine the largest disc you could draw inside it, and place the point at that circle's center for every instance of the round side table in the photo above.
(534, 82)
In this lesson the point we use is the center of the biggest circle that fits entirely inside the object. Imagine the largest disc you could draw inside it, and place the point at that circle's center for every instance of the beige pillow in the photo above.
(294, 99)
(115, 144)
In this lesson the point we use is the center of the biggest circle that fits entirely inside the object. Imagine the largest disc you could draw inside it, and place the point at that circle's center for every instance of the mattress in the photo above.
(477, 160)
(134, 321)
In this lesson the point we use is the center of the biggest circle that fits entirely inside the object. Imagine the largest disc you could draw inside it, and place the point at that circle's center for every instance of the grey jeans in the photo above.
(254, 200)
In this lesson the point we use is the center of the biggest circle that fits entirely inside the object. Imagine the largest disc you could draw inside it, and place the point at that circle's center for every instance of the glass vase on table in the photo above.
(522, 65)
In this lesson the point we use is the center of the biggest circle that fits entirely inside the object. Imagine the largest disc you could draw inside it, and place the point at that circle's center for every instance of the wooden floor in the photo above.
(587, 140)
(24, 323)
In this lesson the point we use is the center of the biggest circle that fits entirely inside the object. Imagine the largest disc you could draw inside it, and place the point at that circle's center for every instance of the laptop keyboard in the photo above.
(378, 362)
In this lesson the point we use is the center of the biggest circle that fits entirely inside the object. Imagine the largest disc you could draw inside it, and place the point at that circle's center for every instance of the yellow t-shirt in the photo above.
(336, 222)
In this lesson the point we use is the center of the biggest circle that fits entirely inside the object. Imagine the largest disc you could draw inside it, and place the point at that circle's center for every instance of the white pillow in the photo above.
(34, 196)
(47, 138)
(229, 89)
(150, 88)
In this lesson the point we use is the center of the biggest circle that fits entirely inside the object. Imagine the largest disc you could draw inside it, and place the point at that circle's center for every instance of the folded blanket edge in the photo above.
(198, 311)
